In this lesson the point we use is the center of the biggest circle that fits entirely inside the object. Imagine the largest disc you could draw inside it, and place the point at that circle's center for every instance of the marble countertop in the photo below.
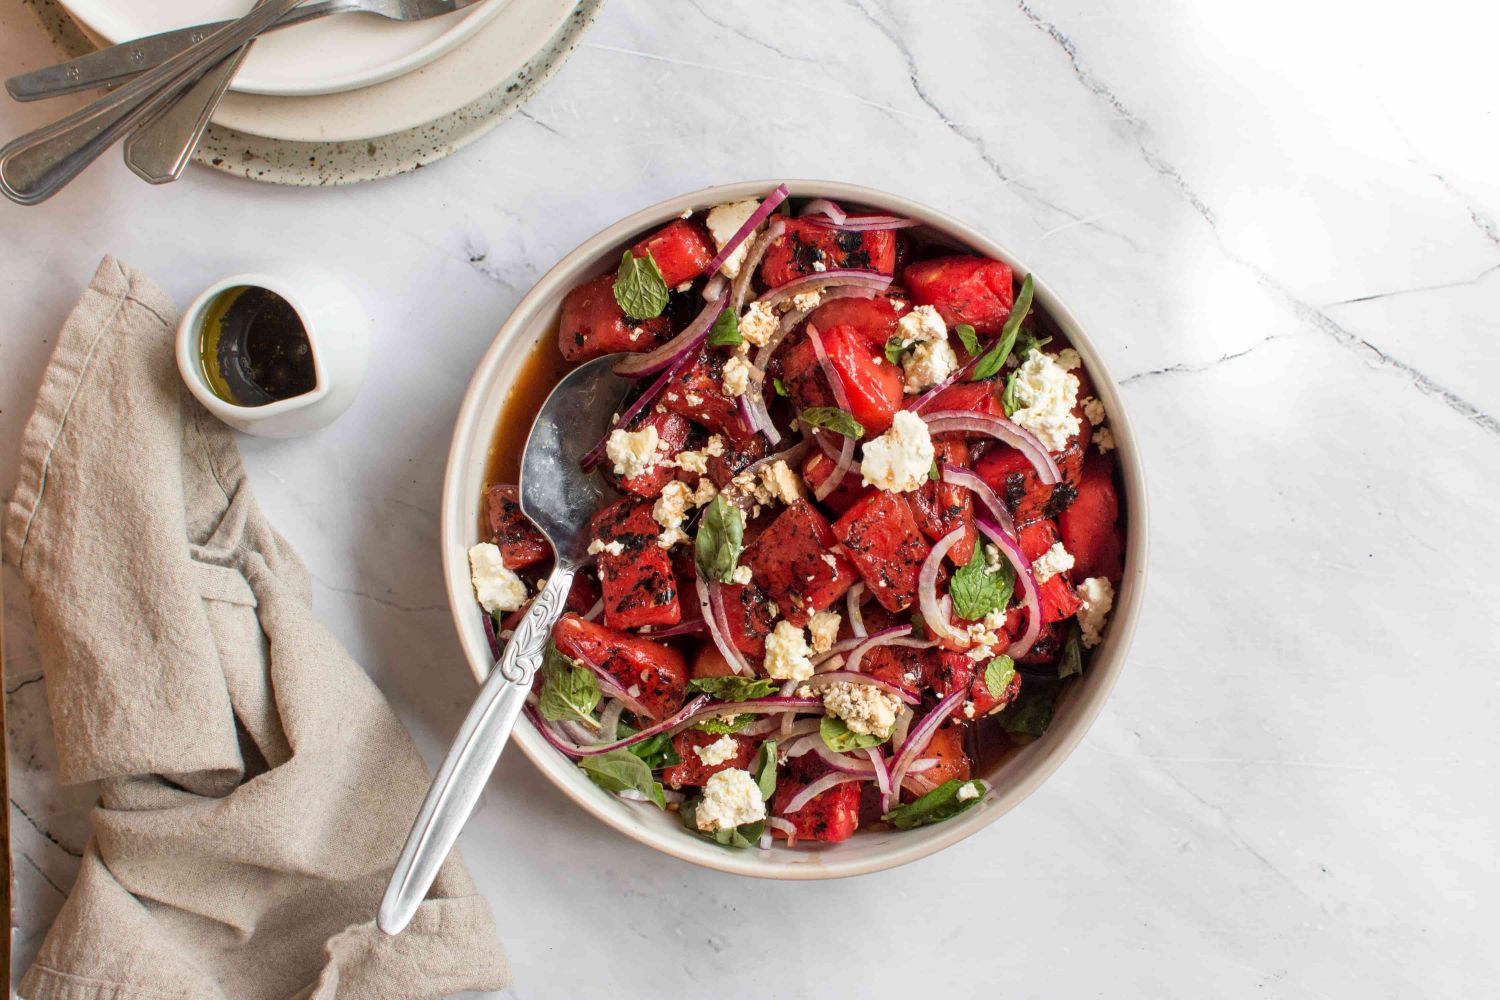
(1282, 227)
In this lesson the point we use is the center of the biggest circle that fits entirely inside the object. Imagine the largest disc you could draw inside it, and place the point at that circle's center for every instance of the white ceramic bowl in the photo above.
(1013, 780)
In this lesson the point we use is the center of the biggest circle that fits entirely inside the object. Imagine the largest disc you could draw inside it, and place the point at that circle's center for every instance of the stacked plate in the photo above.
(354, 97)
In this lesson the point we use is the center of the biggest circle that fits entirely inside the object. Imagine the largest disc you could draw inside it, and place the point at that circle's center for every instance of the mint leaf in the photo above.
(977, 589)
(569, 692)
(992, 362)
(1031, 713)
(725, 331)
(942, 803)
(779, 387)
(640, 289)
(998, 675)
(658, 751)
(733, 688)
(721, 535)
(620, 769)
(834, 419)
(764, 769)
(1071, 661)
(894, 348)
(969, 337)
(721, 726)
(1009, 399)
(838, 737)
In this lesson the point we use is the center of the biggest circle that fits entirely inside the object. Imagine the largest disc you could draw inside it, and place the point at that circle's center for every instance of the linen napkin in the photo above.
(255, 788)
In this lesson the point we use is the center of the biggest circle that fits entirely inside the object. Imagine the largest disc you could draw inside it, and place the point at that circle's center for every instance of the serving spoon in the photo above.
(559, 498)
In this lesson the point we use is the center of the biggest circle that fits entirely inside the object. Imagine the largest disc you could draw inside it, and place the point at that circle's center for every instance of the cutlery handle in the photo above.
(472, 757)
(121, 62)
(36, 165)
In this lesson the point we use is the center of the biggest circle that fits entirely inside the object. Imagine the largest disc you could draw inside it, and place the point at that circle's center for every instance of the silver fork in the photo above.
(123, 61)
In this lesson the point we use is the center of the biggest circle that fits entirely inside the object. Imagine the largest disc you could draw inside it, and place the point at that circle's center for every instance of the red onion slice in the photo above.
(679, 347)
(489, 634)
(753, 406)
(794, 316)
(882, 771)
(907, 696)
(611, 689)
(825, 207)
(967, 478)
(1029, 588)
(932, 611)
(573, 750)
(884, 638)
(845, 460)
(784, 826)
(845, 645)
(592, 615)
(770, 704)
(609, 720)
(692, 626)
(856, 612)
(820, 786)
(711, 605)
(596, 453)
(844, 763)
(834, 277)
(778, 195)
(768, 725)
(753, 256)
(1001, 429)
(921, 735)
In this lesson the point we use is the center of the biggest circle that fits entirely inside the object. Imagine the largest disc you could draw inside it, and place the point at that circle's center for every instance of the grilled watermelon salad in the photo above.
(867, 529)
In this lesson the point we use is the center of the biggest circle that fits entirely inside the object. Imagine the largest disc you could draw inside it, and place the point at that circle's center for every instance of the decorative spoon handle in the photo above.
(38, 164)
(472, 757)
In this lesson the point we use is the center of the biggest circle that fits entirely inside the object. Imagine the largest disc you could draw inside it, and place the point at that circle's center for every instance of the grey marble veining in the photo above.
(1280, 223)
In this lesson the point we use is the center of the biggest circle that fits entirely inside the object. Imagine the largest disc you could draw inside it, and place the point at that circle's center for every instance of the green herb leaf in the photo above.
(998, 675)
(1009, 399)
(732, 688)
(725, 331)
(740, 837)
(1030, 342)
(569, 692)
(721, 726)
(994, 360)
(933, 475)
(620, 769)
(834, 419)
(721, 536)
(918, 625)
(658, 751)
(940, 804)
(779, 387)
(1071, 661)
(640, 289)
(838, 737)
(1031, 713)
(969, 337)
(764, 769)
(894, 348)
(977, 588)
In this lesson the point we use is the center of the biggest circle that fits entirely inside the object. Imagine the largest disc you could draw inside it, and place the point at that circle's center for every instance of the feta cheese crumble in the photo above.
(986, 635)
(923, 325)
(808, 301)
(898, 461)
(1052, 562)
(927, 365)
(632, 452)
(864, 708)
(1093, 409)
(788, 657)
(1068, 359)
(759, 324)
(780, 482)
(968, 791)
(736, 376)
(1104, 438)
(614, 548)
(824, 629)
(697, 461)
(1098, 600)
(742, 576)
(715, 753)
(723, 222)
(497, 588)
(671, 509)
(731, 798)
(1047, 394)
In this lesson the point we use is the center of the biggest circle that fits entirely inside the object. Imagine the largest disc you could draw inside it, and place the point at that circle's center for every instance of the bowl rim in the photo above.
(1042, 757)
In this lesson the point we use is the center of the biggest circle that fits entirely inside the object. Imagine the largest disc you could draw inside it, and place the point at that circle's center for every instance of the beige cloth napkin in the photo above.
(255, 786)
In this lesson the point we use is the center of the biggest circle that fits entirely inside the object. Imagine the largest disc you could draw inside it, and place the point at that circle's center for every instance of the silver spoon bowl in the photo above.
(560, 499)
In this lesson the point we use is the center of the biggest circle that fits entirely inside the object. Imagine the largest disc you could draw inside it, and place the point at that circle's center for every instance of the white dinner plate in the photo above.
(326, 56)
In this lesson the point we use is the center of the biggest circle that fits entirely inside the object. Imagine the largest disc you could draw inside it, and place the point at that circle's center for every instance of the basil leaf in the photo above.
(721, 535)
(838, 737)
(1031, 713)
(894, 348)
(977, 589)
(733, 688)
(568, 690)
(741, 836)
(933, 475)
(725, 331)
(1008, 399)
(834, 419)
(640, 288)
(721, 726)
(992, 362)
(765, 770)
(658, 751)
(998, 675)
(1072, 652)
(620, 769)
(940, 804)
(779, 387)
(1030, 342)
(969, 337)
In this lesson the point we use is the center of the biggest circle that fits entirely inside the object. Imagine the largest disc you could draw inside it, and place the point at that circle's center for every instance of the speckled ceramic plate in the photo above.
(393, 127)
